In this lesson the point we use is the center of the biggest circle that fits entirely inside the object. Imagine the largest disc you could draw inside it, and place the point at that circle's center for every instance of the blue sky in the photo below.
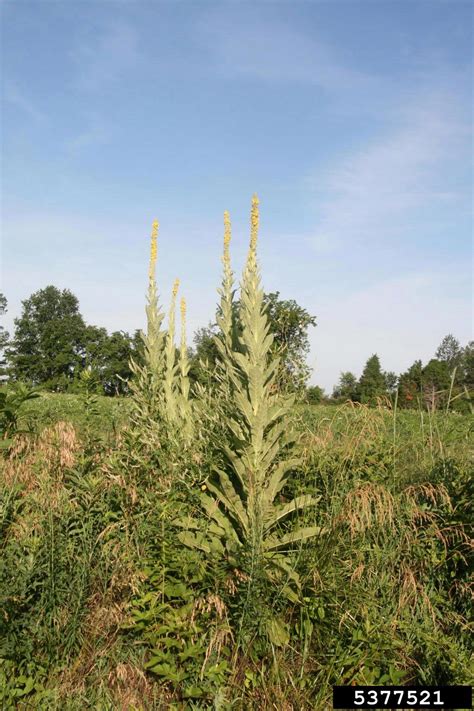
(351, 120)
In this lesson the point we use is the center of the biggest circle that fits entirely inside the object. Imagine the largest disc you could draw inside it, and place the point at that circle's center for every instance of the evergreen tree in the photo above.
(411, 385)
(391, 382)
(372, 382)
(449, 351)
(467, 366)
(436, 380)
(4, 335)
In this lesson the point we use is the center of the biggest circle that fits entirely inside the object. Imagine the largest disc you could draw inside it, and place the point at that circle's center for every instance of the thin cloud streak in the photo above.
(249, 45)
(377, 189)
(105, 58)
(400, 319)
(16, 97)
(96, 131)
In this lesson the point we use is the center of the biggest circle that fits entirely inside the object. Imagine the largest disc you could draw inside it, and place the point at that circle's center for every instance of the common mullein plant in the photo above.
(160, 387)
(246, 524)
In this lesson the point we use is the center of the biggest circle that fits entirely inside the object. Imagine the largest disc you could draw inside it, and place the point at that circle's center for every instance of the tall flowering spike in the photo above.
(251, 264)
(172, 312)
(182, 308)
(224, 311)
(227, 238)
(153, 249)
(184, 405)
(170, 383)
(254, 225)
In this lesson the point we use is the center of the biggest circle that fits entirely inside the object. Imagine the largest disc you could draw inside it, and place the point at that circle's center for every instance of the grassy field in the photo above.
(103, 606)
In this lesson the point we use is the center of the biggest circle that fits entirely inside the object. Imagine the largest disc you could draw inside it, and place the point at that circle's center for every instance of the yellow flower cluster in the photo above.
(227, 236)
(183, 308)
(227, 233)
(175, 287)
(153, 248)
(254, 223)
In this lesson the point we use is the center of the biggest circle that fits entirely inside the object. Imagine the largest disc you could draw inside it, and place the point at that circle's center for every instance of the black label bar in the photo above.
(402, 697)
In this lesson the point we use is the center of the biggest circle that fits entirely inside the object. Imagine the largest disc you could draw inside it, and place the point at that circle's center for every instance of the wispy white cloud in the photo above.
(107, 55)
(375, 190)
(400, 319)
(247, 43)
(95, 131)
(18, 98)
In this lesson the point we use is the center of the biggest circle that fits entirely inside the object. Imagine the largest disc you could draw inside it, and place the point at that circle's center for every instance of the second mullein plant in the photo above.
(160, 387)
(245, 520)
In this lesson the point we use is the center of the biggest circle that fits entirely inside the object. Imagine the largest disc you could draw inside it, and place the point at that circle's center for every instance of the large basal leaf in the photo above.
(277, 631)
(297, 504)
(300, 534)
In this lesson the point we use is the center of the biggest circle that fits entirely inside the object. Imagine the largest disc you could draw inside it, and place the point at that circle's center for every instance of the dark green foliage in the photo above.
(289, 324)
(108, 357)
(52, 346)
(12, 399)
(467, 366)
(314, 395)
(4, 335)
(391, 382)
(436, 378)
(449, 351)
(372, 384)
(347, 388)
(204, 356)
(446, 381)
(410, 385)
(48, 341)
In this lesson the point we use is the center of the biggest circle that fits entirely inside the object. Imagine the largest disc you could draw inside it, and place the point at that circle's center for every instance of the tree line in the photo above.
(446, 380)
(52, 347)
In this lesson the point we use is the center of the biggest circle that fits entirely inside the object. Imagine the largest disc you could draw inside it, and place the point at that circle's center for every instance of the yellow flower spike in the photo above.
(254, 223)
(182, 307)
(227, 231)
(227, 237)
(175, 287)
(153, 248)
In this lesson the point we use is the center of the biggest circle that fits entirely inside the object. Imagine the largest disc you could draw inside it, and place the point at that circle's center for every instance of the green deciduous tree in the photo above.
(314, 395)
(289, 324)
(346, 389)
(108, 358)
(48, 344)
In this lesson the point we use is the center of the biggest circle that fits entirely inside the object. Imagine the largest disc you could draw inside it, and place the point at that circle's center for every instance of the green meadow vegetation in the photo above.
(218, 545)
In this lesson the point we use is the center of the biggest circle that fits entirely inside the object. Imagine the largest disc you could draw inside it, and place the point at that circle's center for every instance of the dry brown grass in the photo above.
(31, 460)
(367, 506)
